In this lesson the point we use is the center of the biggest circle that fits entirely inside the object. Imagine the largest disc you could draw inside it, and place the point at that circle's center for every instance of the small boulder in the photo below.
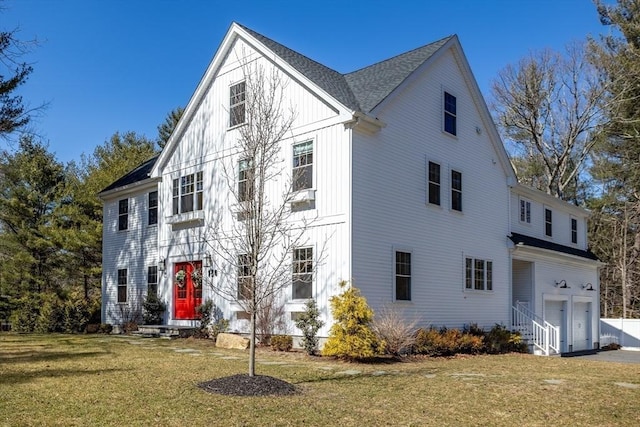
(232, 341)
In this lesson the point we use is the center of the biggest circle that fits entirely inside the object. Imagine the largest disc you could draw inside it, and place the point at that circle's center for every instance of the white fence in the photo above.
(626, 330)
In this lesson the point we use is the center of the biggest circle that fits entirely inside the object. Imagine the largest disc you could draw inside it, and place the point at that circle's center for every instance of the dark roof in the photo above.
(544, 244)
(138, 174)
(361, 90)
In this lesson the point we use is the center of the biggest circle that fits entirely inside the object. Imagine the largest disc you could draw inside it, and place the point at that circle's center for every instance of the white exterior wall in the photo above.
(208, 145)
(391, 209)
(561, 218)
(134, 249)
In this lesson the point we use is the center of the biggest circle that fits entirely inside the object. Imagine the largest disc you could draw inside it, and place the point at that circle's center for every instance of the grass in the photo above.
(118, 380)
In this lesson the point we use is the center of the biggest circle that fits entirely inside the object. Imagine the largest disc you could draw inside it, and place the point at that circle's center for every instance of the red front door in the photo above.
(187, 289)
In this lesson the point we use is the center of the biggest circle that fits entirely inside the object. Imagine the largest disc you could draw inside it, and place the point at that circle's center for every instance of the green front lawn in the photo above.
(119, 380)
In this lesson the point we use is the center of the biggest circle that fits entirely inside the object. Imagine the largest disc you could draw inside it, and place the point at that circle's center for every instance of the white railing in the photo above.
(541, 333)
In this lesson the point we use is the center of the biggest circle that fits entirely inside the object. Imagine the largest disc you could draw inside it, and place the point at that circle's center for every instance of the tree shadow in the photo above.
(24, 377)
(28, 356)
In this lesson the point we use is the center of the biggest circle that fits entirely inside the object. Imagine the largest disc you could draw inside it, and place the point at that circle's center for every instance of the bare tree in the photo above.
(550, 108)
(260, 245)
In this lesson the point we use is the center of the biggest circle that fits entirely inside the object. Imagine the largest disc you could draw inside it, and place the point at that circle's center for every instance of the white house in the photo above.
(413, 197)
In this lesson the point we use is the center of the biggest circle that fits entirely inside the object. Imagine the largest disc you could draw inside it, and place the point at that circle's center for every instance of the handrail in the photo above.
(544, 335)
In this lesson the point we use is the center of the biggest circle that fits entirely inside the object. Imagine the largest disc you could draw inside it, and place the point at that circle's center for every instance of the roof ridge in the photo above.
(444, 39)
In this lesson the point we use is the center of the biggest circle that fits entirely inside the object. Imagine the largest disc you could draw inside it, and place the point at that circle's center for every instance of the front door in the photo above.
(187, 289)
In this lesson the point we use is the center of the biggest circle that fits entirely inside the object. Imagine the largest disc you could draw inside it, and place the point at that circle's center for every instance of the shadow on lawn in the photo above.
(23, 377)
(30, 356)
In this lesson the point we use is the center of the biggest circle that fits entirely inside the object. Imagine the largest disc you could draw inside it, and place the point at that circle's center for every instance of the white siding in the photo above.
(134, 249)
(390, 207)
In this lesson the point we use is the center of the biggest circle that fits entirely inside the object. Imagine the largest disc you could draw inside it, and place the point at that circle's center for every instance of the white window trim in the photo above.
(473, 281)
(526, 201)
(305, 195)
(157, 208)
(408, 250)
(126, 301)
(444, 89)
(128, 214)
(442, 185)
(229, 127)
(450, 190)
(291, 302)
(179, 217)
(573, 218)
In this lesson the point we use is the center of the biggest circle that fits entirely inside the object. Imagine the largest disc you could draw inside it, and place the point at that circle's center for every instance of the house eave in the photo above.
(128, 189)
(364, 123)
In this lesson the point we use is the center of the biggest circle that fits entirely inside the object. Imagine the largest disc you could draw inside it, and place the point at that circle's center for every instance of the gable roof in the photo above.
(521, 239)
(360, 90)
(139, 174)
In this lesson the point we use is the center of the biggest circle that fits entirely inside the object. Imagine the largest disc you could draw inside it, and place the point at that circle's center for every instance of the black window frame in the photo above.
(548, 222)
(152, 209)
(122, 285)
(123, 214)
(456, 190)
(574, 230)
(434, 183)
(402, 288)
(478, 274)
(450, 114)
(152, 280)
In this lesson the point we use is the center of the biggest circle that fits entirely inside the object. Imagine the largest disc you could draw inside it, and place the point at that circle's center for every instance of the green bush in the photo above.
(105, 328)
(281, 342)
(51, 315)
(309, 323)
(24, 316)
(212, 321)
(153, 309)
(351, 336)
(76, 314)
(500, 340)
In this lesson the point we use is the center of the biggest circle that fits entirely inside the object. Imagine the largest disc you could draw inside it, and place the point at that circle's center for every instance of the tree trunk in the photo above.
(252, 345)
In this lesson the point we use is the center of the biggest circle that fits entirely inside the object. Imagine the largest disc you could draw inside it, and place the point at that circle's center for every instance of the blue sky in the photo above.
(122, 65)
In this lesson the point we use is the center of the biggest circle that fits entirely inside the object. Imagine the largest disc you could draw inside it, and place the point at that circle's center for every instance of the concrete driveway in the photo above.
(618, 356)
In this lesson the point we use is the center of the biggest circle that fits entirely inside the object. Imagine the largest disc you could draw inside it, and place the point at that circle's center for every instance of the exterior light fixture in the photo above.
(562, 284)
(588, 287)
(162, 264)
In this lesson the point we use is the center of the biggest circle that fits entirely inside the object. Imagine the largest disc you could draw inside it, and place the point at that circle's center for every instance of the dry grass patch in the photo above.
(114, 380)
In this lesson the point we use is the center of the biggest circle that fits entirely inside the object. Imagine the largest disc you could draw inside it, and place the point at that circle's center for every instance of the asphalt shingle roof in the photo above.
(361, 90)
(138, 174)
(544, 244)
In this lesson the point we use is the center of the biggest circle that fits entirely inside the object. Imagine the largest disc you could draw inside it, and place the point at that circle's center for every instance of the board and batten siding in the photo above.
(134, 249)
(208, 145)
(391, 210)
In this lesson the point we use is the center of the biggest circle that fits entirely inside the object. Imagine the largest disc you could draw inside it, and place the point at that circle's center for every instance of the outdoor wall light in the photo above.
(562, 284)
(207, 260)
(162, 264)
(588, 287)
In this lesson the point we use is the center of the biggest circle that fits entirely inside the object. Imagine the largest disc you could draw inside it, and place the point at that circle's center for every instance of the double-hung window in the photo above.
(303, 166)
(153, 207)
(478, 274)
(525, 211)
(548, 222)
(456, 190)
(152, 280)
(403, 276)
(122, 285)
(574, 230)
(245, 180)
(434, 183)
(302, 280)
(123, 214)
(244, 276)
(450, 116)
(237, 104)
(188, 193)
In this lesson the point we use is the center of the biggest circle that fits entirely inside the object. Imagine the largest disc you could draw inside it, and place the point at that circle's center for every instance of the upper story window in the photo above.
(403, 276)
(525, 211)
(434, 183)
(548, 222)
(245, 180)
(478, 274)
(450, 116)
(152, 280)
(574, 230)
(303, 166)
(123, 214)
(244, 276)
(153, 207)
(302, 280)
(456, 191)
(122, 285)
(188, 193)
(237, 104)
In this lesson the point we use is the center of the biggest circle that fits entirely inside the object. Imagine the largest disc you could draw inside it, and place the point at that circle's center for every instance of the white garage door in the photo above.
(581, 326)
(555, 313)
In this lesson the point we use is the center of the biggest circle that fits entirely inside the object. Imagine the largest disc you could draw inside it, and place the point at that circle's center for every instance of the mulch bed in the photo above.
(244, 385)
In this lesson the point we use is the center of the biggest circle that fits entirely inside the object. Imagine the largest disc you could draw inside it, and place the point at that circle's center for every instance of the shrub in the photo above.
(153, 309)
(212, 321)
(281, 342)
(447, 342)
(351, 336)
(309, 323)
(50, 316)
(129, 327)
(398, 334)
(500, 340)
(92, 328)
(105, 328)
(25, 314)
(76, 314)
